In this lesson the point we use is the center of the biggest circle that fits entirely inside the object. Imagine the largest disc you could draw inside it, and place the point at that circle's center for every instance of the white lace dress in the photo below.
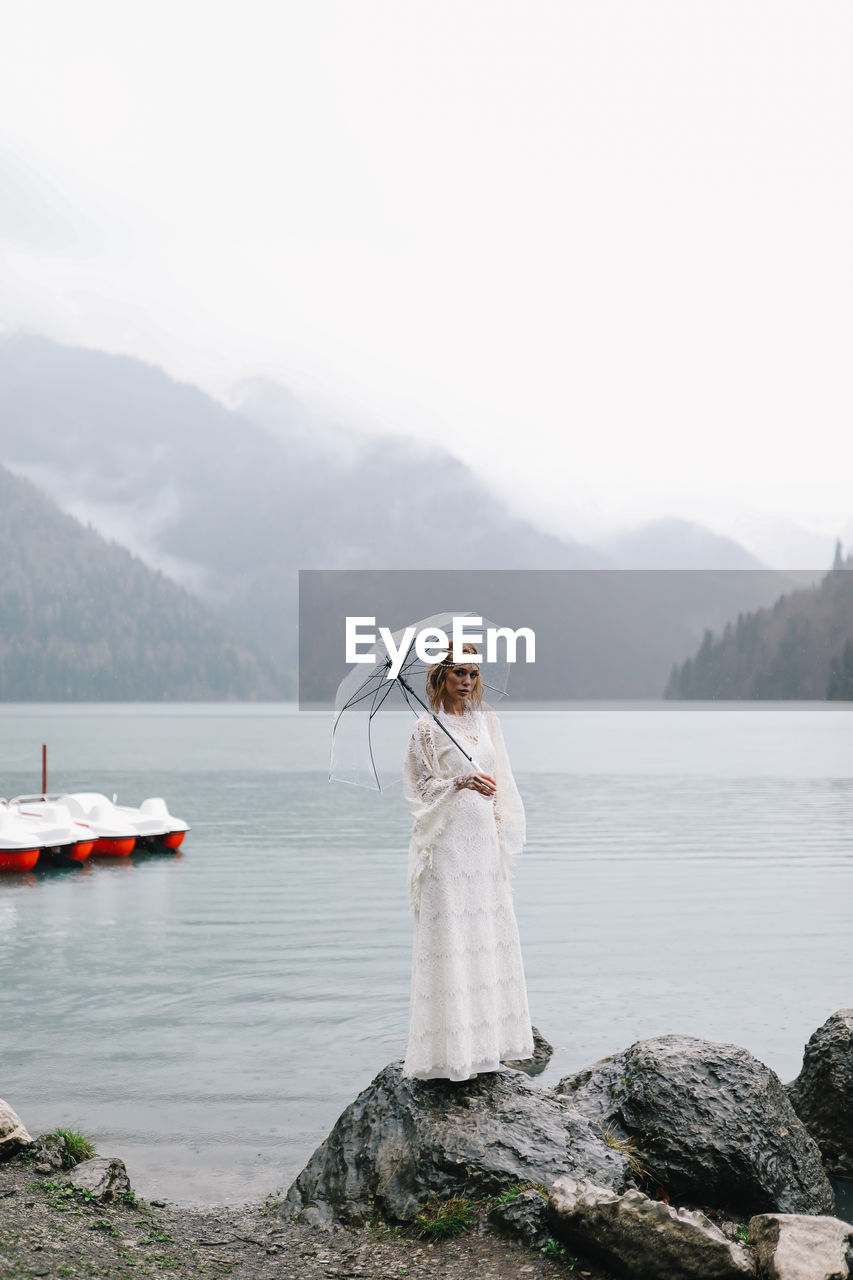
(468, 998)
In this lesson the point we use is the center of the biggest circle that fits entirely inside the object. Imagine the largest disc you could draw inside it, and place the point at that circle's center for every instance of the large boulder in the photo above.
(822, 1094)
(404, 1141)
(713, 1126)
(640, 1237)
(13, 1135)
(802, 1247)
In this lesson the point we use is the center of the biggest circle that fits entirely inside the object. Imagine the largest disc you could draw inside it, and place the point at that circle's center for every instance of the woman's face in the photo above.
(460, 681)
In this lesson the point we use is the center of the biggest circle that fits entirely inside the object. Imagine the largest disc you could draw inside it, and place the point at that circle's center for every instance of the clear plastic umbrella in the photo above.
(367, 749)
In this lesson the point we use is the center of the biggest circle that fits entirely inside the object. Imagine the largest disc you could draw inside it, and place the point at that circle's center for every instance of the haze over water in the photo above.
(207, 1016)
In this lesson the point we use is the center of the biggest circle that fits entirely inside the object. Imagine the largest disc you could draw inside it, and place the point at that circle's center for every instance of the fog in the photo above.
(598, 251)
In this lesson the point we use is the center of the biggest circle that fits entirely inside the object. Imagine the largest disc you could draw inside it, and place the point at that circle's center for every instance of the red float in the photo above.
(114, 847)
(19, 859)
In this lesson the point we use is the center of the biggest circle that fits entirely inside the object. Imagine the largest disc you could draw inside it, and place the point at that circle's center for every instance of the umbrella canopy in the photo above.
(369, 754)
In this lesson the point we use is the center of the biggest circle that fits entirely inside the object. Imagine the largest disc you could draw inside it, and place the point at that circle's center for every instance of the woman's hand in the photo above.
(482, 782)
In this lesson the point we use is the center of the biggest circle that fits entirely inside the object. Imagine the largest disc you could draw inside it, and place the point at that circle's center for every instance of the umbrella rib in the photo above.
(373, 711)
(384, 692)
(353, 701)
(371, 675)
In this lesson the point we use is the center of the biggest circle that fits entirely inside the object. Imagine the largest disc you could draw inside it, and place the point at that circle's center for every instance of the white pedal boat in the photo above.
(26, 834)
(151, 824)
(109, 837)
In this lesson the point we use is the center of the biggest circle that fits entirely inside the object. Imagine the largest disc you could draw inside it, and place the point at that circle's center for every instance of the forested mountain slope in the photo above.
(800, 647)
(82, 618)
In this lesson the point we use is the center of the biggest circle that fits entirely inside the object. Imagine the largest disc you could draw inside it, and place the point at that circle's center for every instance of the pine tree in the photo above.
(840, 687)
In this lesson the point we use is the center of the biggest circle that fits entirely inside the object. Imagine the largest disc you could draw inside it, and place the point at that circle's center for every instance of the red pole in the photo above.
(44, 768)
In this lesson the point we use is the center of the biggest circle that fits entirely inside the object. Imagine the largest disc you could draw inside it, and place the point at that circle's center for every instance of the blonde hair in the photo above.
(436, 680)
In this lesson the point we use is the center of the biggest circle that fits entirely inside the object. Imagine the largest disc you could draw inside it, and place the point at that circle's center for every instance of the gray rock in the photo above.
(49, 1153)
(822, 1094)
(104, 1178)
(640, 1237)
(542, 1051)
(714, 1126)
(802, 1247)
(404, 1141)
(525, 1217)
(13, 1135)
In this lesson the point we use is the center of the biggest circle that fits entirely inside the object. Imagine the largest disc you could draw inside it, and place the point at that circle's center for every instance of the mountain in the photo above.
(233, 509)
(233, 502)
(81, 618)
(801, 647)
(676, 544)
(598, 635)
(785, 544)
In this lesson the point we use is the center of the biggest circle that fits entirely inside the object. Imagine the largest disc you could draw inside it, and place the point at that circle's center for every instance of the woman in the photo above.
(468, 1000)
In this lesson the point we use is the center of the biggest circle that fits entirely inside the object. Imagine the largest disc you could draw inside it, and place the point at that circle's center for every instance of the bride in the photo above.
(468, 997)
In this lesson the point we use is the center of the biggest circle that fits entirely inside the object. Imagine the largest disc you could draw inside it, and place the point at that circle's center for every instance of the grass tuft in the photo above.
(77, 1147)
(629, 1149)
(514, 1190)
(439, 1219)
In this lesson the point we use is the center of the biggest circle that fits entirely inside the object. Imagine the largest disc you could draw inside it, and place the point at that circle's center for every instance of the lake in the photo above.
(206, 1016)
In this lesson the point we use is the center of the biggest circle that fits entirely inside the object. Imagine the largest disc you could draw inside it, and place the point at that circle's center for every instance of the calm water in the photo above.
(207, 1016)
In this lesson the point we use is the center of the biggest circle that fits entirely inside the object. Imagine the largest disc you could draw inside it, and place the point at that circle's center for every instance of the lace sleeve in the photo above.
(509, 810)
(427, 794)
(423, 785)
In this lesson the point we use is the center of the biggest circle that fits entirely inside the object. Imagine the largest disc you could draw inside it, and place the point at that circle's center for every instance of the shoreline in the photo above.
(48, 1230)
(406, 1160)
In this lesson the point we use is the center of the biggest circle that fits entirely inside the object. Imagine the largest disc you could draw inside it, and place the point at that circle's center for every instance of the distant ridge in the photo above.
(677, 544)
(233, 502)
(232, 509)
(800, 647)
(83, 619)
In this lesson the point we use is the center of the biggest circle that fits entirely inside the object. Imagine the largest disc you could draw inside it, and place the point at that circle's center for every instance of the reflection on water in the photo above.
(208, 1015)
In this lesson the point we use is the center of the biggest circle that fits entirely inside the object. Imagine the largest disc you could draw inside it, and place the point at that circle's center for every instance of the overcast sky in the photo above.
(599, 250)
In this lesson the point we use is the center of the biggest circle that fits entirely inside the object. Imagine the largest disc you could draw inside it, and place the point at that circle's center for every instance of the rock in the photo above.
(822, 1094)
(106, 1179)
(714, 1126)
(404, 1141)
(641, 1237)
(797, 1246)
(525, 1217)
(49, 1153)
(13, 1135)
(542, 1051)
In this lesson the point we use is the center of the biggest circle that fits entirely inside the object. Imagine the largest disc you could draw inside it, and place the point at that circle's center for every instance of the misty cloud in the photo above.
(34, 214)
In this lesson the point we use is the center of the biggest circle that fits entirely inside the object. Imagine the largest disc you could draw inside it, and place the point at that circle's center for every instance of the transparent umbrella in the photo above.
(367, 749)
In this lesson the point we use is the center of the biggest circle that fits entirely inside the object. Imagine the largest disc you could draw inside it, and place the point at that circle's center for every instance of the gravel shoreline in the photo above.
(46, 1230)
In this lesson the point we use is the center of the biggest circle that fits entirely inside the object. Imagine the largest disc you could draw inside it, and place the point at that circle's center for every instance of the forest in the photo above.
(800, 647)
(82, 618)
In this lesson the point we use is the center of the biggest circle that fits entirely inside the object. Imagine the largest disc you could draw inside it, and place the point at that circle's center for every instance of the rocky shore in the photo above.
(674, 1159)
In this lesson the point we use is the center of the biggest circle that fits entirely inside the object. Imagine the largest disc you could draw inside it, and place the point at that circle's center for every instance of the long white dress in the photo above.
(468, 998)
